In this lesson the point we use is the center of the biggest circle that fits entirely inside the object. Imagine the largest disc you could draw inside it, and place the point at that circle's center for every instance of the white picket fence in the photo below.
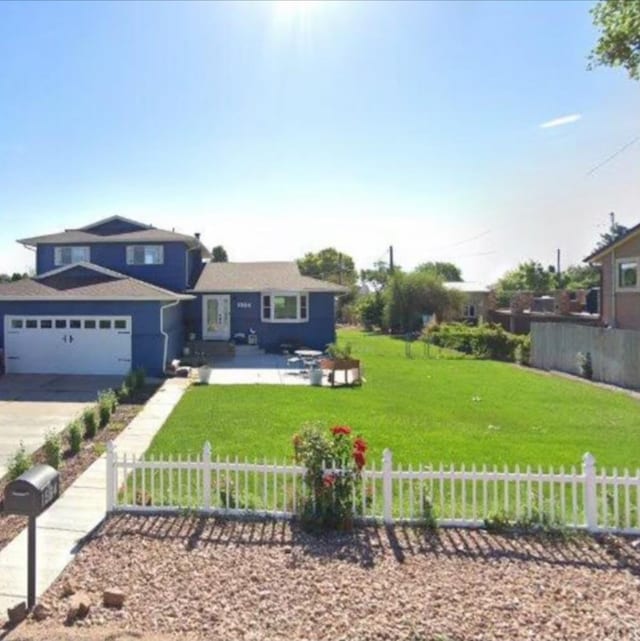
(580, 498)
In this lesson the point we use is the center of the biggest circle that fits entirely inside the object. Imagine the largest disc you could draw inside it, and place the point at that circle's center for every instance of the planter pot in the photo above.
(315, 376)
(339, 363)
(204, 371)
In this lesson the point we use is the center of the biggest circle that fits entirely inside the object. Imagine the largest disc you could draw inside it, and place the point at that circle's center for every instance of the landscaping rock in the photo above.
(79, 606)
(69, 587)
(113, 598)
(41, 612)
(18, 613)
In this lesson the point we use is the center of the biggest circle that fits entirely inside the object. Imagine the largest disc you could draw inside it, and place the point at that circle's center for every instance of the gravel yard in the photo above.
(214, 579)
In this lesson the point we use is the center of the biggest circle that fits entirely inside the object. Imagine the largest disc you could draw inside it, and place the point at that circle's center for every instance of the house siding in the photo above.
(147, 342)
(246, 315)
(622, 309)
(172, 274)
(116, 226)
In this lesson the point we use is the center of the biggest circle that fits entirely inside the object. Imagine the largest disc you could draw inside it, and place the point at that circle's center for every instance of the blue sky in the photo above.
(276, 128)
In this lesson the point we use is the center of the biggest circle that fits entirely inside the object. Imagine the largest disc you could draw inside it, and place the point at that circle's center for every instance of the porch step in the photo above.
(210, 348)
(248, 350)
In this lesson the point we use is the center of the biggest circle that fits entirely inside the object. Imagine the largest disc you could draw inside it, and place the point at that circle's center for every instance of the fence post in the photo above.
(387, 487)
(590, 495)
(111, 476)
(206, 476)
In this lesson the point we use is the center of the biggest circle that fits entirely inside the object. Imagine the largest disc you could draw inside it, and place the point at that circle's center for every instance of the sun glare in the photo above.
(293, 7)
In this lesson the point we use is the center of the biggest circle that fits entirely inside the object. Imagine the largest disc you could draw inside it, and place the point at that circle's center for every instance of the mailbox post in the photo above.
(30, 495)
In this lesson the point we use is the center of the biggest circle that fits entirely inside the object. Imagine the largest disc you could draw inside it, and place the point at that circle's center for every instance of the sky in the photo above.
(459, 131)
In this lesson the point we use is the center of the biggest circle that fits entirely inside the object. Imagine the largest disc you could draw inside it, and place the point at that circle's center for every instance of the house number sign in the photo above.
(244, 305)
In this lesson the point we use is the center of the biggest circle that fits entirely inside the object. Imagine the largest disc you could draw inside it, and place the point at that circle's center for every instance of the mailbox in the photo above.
(32, 492)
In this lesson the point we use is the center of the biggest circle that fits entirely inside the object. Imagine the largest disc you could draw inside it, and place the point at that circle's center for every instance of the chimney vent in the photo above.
(197, 235)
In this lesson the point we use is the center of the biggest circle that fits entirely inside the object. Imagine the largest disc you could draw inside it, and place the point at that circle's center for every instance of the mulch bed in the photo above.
(206, 578)
(73, 466)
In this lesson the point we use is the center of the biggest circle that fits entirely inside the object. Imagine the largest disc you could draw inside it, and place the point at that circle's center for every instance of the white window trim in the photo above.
(57, 254)
(130, 250)
(272, 294)
(627, 259)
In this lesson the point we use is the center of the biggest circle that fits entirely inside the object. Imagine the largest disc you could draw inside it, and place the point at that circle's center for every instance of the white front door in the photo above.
(216, 321)
(67, 344)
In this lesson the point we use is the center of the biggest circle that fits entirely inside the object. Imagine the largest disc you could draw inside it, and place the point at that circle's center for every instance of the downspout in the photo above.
(166, 336)
(614, 281)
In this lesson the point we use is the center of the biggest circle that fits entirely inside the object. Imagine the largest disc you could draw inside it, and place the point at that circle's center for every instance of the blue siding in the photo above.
(315, 334)
(115, 227)
(147, 342)
(174, 327)
(171, 275)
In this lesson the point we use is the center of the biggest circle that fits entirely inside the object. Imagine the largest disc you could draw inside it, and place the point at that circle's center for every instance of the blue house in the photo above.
(118, 294)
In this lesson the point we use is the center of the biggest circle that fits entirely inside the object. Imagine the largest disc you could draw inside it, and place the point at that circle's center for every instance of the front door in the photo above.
(216, 322)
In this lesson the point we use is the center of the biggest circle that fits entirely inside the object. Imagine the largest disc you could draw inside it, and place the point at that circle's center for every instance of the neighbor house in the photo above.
(118, 294)
(619, 264)
(478, 300)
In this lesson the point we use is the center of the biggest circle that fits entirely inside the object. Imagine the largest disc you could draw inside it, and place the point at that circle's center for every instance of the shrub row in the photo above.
(482, 341)
(86, 427)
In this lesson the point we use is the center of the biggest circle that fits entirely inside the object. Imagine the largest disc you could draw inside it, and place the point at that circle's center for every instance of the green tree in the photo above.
(219, 255)
(378, 275)
(529, 276)
(331, 265)
(448, 272)
(410, 296)
(615, 231)
(370, 310)
(580, 277)
(619, 41)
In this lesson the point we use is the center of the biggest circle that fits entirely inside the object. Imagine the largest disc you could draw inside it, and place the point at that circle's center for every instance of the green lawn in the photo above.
(421, 408)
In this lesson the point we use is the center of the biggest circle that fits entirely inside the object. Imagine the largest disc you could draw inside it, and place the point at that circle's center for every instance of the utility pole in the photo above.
(391, 259)
(558, 262)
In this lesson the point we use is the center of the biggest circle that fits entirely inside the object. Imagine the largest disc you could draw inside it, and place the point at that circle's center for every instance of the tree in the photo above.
(370, 310)
(378, 275)
(410, 296)
(615, 231)
(530, 276)
(580, 277)
(619, 42)
(448, 272)
(219, 255)
(331, 265)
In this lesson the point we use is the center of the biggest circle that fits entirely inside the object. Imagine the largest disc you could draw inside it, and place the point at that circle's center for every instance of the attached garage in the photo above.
(88, 320)
(67, 344)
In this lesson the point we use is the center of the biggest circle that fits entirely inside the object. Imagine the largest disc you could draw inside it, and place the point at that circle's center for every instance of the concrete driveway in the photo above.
(32, 404)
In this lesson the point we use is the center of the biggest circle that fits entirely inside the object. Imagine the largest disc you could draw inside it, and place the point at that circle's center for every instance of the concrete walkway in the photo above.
(81, 508)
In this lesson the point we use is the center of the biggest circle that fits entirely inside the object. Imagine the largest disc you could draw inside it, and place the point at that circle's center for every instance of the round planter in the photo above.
(204, 371)
(315, 376)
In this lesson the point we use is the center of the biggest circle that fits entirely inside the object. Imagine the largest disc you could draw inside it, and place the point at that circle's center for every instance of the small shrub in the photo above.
(52, 449)
(19, 462)
(99, 448)
(107, 402)
(429, 520)
(139, 378)
(75, 437)
(585, 366)
(90, 423)
(123, 392)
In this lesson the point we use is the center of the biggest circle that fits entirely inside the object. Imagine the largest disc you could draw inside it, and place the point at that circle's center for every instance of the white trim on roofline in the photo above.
(108, 220)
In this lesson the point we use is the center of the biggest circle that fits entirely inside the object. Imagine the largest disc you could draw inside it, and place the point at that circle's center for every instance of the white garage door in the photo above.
(67, 344)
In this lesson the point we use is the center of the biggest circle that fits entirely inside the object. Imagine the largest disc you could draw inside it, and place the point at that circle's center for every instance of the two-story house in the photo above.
(118, 294)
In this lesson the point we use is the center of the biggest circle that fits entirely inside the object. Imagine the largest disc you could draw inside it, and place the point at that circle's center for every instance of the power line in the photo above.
(613, 155)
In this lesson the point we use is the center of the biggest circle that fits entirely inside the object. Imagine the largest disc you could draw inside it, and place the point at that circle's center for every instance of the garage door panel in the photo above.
(68, 345)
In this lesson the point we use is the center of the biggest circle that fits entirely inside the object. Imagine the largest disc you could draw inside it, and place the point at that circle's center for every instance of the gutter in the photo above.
(166, 336)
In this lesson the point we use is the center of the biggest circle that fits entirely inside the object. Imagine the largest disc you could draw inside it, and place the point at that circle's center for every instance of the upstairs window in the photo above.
(71, 254)
(145, 255)
(285, 308)
(627, 273)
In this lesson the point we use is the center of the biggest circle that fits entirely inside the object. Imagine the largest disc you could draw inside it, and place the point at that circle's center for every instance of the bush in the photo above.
(482, 341)
(75, 437)
(139, 378)
(370, 310)
(334, 464)
(585, 366)
(90, 423)
(107, 403)
(52, 449)
(19, 463)
(123, 392)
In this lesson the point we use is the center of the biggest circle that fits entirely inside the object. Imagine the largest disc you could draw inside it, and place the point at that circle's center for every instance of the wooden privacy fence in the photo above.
(580, 498)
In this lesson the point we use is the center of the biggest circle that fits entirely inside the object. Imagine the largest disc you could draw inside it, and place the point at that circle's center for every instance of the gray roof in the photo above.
(258, 277)
(467, 287)
(85, 281)
(147, 235)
